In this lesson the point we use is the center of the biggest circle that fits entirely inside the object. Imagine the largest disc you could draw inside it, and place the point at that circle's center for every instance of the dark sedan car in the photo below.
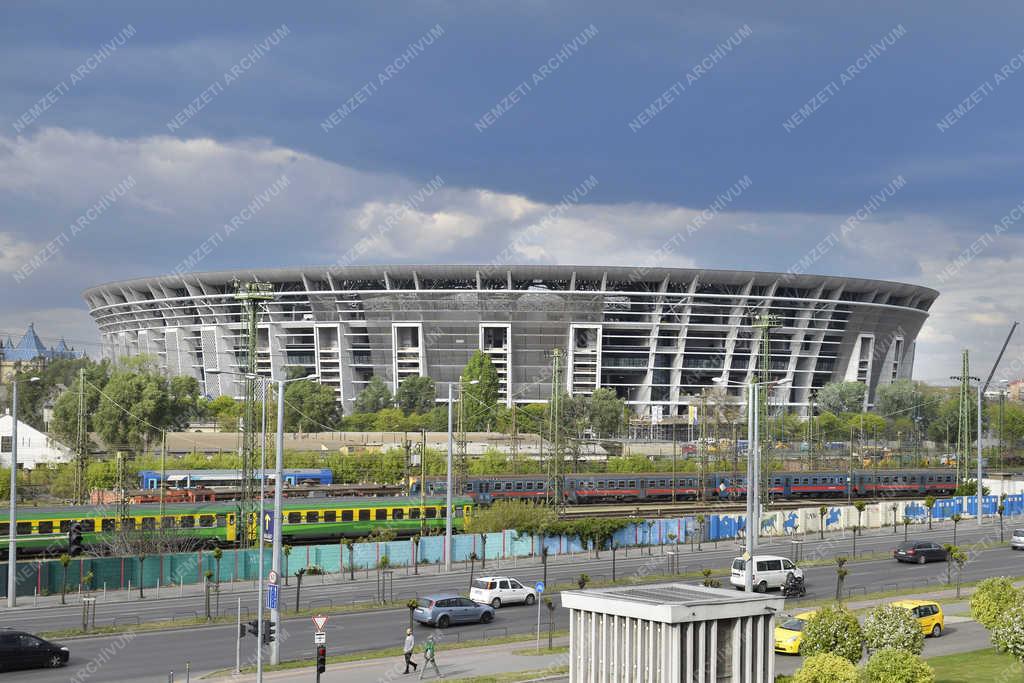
(920, 552)
(443, 610)
(19, 650)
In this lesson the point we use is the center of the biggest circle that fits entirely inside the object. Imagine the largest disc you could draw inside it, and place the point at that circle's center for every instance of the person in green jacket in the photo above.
(429, 658)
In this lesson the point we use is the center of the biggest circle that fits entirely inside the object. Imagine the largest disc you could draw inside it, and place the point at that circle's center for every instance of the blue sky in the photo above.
(897, 71)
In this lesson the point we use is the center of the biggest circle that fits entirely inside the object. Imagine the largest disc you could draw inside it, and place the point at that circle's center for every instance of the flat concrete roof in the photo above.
(673, 603)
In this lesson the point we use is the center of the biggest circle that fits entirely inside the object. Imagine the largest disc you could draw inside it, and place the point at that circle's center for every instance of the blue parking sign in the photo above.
(273, 590)
(539, 587)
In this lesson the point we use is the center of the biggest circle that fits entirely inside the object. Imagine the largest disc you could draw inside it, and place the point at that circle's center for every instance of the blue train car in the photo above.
(189, 479)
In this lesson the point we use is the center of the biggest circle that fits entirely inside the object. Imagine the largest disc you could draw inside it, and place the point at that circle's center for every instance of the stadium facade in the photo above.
(657, 336)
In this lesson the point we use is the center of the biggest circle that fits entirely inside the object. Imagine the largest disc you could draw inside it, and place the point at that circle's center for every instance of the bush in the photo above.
(992, 598)
(833, 629)
(892, 665)
(892, 627)
(315, 570)
(826, 668)
(1008, 633)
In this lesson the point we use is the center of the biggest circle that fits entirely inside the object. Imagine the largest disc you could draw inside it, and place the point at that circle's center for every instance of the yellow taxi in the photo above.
(790, 633)
(928, 614)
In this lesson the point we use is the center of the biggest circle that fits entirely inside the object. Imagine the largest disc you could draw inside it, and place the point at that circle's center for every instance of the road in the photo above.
(150, 656)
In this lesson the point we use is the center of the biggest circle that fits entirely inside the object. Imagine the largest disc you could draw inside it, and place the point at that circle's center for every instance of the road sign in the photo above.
(268, 526)
(319, 638)
(273, 577)
(320, 621)
(539, 587)
(273, 591)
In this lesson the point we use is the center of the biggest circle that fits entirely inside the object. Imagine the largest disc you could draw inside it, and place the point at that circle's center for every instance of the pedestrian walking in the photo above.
(410, 645)
(429, 658)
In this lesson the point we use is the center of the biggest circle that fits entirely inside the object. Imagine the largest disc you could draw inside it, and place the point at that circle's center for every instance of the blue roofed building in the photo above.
(30, 350)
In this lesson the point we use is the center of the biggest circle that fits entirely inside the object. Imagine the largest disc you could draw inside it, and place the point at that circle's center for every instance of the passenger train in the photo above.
(620, 487)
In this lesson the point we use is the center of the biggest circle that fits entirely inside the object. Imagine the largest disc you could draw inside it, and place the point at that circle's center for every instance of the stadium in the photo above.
(658, 337)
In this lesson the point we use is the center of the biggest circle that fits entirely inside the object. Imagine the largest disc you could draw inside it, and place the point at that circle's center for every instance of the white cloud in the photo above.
(186, 189)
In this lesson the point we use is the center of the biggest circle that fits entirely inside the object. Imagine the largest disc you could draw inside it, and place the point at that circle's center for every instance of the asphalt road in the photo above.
(150, 656)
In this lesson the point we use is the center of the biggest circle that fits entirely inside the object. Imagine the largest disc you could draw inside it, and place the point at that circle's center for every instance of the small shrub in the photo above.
(833, 629)
(992, 598)
(826, 668)
(583, 581)
(1008, 633)
(315, 570)
(892, 627)
(891, 665)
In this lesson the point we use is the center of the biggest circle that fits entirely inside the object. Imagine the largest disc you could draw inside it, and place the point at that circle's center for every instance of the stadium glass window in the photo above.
(294, 517)
(414, 513)
(24, 528)
(364, 515)
(108, 525)
(330, 515)
(397, 513)
(380, 514)
(346, 515)
(88, 525)
(431, 513)
(188, 521)
(46, 527)
(206, 521)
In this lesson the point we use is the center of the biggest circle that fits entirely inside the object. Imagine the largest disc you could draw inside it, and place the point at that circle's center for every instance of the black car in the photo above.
(19, 650)
(920, 552)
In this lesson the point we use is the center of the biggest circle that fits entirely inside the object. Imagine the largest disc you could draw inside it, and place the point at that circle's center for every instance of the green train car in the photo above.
(44, 531)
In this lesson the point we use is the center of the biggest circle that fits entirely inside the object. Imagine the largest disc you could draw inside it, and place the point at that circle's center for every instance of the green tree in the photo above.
(899, 398)
(886, 626)
(826, 668)
(894, 665)
(606, 413)
(64, 425)
(132, 410)
(524, 517)
(929, 503)
(375, 396)
(1008, 633)
(388, 420)
(183, 403)
(310, 407)
(842, 397)
(833, 629)
(416, 395)
(481, 399)
(65, 560)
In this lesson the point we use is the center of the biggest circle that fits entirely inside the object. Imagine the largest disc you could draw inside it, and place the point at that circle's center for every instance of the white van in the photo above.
(770, 571)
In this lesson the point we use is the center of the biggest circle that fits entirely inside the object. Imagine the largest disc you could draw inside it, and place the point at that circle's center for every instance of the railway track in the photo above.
(658, 510)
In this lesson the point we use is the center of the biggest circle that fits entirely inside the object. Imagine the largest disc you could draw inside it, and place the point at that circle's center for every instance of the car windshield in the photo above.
(1018, 532)
(793, 624)
(480, 583)
(906, 546)
(425, 602)
(738, 563)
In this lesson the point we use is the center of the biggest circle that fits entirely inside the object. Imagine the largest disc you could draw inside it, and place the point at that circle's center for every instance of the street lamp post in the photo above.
(753, 472)
(448, 480)
(12, 542)
(275, 562)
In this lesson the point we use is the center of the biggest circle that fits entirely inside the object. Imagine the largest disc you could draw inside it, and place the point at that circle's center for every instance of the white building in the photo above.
(34, 447)
(670, 633)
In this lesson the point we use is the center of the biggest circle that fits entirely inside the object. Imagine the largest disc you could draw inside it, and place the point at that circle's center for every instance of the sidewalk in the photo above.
(454, 664)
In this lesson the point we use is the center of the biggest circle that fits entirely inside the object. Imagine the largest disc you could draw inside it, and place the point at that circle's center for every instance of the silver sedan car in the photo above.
(445, 609)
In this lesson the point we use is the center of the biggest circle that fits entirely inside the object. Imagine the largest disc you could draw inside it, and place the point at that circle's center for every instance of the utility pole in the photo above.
(163, 470)
(251, 295)
(81, 442)
(674, 465)
(448, 492)
(554, 493)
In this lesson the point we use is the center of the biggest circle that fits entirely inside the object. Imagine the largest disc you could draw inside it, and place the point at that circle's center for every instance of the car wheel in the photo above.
(936, 631)
(486, 618)
(530, 599)
(762, 587)
(920, 559)
(496, 603)
(443, 621)
(56, 661)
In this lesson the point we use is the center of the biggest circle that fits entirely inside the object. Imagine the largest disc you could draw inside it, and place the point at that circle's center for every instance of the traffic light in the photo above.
(268, 632)
(75, 539)
(254, 627)
(321, 658)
